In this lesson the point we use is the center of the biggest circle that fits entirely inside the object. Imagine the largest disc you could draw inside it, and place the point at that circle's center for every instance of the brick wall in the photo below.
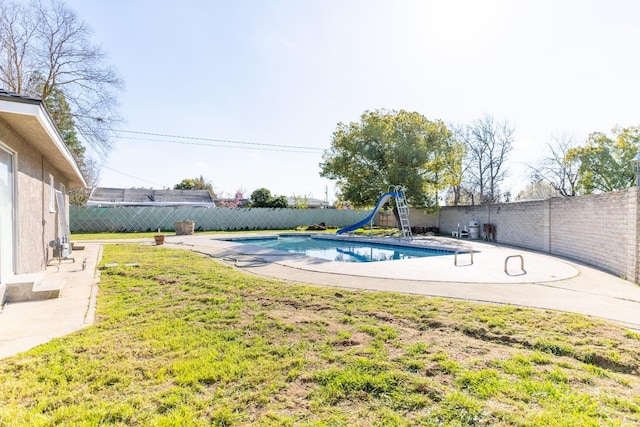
(600, 230)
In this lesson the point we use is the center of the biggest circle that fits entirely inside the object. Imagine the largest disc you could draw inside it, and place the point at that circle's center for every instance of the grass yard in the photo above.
(183, 340)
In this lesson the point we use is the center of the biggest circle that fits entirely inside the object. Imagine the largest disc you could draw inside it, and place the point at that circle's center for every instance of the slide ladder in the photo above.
(403, 212)
(397, 192)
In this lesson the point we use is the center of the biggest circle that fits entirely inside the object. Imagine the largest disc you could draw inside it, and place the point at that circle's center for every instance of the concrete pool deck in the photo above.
(546, 283)
(485, 265)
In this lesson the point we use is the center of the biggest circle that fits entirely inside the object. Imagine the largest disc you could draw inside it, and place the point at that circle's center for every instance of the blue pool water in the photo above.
(343, 250)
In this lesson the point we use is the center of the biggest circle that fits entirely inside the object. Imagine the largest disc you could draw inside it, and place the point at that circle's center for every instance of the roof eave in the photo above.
(36, 109)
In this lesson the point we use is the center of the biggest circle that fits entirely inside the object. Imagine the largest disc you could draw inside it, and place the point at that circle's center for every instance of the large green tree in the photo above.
(392, 148)
(605, 160)
(61, 114)
(195, 184)
(262, 198)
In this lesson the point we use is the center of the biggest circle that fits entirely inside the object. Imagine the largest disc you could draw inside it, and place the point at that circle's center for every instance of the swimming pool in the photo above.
(343, 250)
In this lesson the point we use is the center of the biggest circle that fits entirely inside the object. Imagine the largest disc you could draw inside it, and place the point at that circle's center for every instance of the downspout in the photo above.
(45, 253)
(549, 225)
(635, 251)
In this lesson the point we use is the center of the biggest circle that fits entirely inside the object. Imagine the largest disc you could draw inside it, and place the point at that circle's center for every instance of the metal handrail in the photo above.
(506, 261)
(455, 257)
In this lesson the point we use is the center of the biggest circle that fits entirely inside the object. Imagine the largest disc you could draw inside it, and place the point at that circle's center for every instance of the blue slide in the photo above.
(381, 201)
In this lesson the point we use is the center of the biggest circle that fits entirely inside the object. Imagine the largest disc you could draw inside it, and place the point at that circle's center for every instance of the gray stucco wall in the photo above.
(35, 225)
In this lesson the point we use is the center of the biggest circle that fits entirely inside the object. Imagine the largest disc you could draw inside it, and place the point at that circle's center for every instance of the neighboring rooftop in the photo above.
(102, 196)
(17, 97)
(309, 202)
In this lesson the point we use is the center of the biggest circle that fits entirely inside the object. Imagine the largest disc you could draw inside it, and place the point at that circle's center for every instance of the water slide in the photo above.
(380, 203)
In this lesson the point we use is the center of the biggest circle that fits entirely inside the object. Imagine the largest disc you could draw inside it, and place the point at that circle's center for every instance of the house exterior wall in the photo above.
(35, 226)
(600, 230)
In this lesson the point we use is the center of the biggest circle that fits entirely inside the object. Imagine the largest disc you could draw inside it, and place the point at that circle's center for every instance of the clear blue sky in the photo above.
(286, 72)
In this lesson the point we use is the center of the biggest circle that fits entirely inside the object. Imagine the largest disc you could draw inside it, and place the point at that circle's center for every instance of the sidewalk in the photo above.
(24, 325)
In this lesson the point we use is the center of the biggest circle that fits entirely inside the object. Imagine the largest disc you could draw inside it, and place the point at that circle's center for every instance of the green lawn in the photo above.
(183, 340)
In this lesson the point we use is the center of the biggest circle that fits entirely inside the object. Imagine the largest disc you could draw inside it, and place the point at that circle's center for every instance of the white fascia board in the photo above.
(38, 111)
(47, 124)
(28, 107)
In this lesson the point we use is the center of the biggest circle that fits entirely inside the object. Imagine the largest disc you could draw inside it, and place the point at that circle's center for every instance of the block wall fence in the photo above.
(599, 230)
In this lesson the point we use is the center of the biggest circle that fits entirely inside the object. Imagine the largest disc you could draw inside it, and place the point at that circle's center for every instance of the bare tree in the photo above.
(91, 172)
(557, 168)
(488, 146)
(537, 190)
(44, 49)
(465, 191)
(460, 195)
(17, 36)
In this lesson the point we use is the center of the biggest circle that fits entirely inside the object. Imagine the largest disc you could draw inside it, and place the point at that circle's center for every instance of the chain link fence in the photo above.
(84, 219)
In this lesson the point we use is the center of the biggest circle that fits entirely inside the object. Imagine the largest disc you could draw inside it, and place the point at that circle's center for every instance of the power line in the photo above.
(253, 145)
(217, 145)
(131, 176)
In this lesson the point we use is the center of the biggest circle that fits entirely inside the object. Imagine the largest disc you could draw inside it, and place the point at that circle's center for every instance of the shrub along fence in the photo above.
(136, 219)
